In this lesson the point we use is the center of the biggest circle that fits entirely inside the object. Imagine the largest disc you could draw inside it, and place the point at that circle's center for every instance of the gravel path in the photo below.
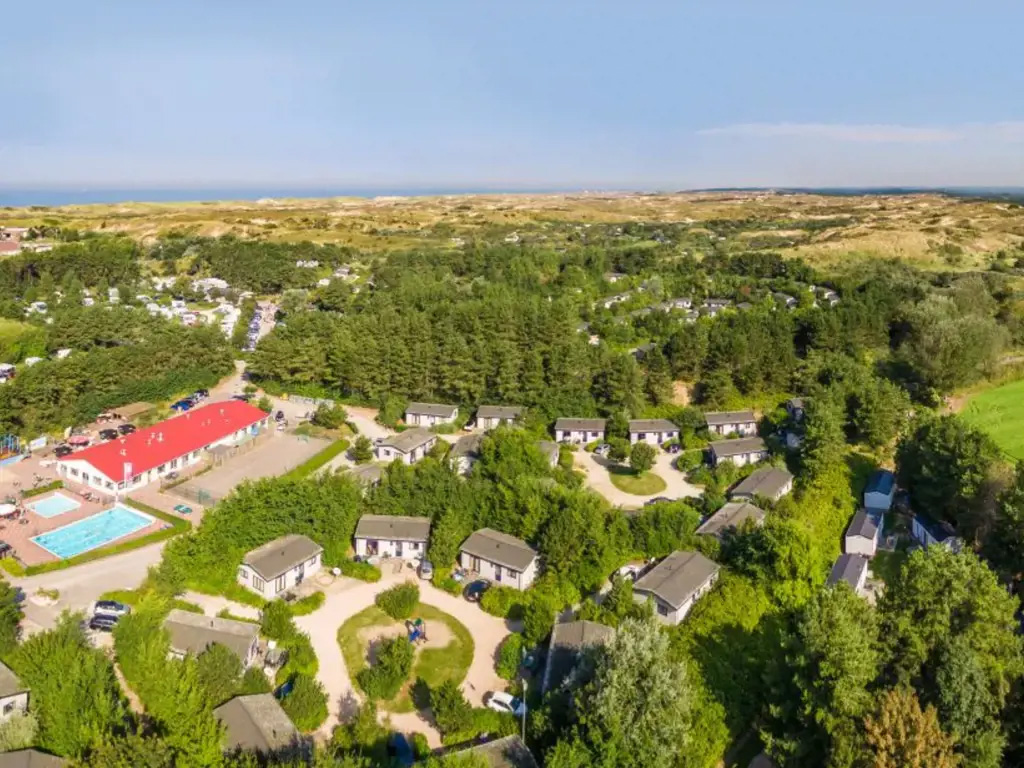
(594, 467)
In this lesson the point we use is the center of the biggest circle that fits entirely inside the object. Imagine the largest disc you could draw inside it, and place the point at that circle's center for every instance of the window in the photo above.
(161, 468)
(257, 583)
(641, 435)
(662, 609)
(312, 561)
(110, 485)
(136, 480)
(9, 707)
(120, 486)
(85, 478)
(74, 472)
(243, 574)
(511, 574)
(195, 454)
(174, 463)
(279, 584)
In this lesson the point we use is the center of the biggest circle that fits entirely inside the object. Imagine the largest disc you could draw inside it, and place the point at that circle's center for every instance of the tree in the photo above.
(133, 750)
(393, 665)
(399, 601)
(944, 464)
(18, 731)
(362, 450)
(819, 684)
(901, 735)
(880, 411)
(220, 672)
(618, 448)
(306, 703)
(641, 457)
(510, 656)
(265, 405)
(824, 441)
(451, 710)
(1004, 547)
(329, 416)
(10, 618)
(637, 710)
(254, 681)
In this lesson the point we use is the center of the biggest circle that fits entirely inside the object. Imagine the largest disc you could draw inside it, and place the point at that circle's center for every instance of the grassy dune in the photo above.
(1000, 412)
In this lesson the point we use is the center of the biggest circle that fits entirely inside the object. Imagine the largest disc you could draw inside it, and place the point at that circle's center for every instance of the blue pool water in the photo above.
(54, 505)
(92, 532)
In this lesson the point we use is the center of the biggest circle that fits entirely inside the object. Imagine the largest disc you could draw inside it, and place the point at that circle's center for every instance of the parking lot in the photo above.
(274, 453)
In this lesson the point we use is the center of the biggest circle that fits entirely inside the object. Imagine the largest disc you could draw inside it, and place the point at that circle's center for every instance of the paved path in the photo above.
(348, 597)
(595, 468)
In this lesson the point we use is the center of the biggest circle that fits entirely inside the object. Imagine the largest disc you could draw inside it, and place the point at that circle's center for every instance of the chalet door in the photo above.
(474, 564)
(398, 549)
(300, 573)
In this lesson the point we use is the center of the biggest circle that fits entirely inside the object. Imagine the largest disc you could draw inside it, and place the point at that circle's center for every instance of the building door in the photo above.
(398, 549)
(497, 573)
(474, 564)
(300, 573)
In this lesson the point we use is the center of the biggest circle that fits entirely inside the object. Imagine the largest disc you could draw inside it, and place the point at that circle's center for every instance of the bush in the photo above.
(420, 747)
(276, 621)
(689, 460)
(502, 601)
(394, 663)
(362, 450)
(642, 456)
(306, 703)
(18, 731)
(538, 620)
(448, 584)
(400, 601)
(483, 721)
(254, 681)
(510, 654)
(307, 604)
(618, 448)
(362, 571)
(29, 493)
(329, 416)
(451, 710)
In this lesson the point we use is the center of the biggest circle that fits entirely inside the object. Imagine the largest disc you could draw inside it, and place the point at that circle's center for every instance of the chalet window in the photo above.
(74, 472)
(279, 584)
(511, 574)
(257, 583)
(641, 436)
(312, 561)
(662, 609)
(9, 707)
(243, 574)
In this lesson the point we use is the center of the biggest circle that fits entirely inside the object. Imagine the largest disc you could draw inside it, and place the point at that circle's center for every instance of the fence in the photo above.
(315, 402)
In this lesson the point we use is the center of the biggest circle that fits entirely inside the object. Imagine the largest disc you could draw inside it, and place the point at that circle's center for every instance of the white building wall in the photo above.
(578, 436)
(387, 453)
(668, 615)
(878, 500)
(248, 578)
(653, 438)
(490, 571)
(743, 459)
(11, 704)
(747, 429)
(411, 550)
(860, 545)
(427, 420)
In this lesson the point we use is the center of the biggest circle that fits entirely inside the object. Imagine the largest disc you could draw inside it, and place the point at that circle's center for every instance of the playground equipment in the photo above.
(417, 631)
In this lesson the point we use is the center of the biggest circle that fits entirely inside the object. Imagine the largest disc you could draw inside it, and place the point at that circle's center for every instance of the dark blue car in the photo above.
(181, 406)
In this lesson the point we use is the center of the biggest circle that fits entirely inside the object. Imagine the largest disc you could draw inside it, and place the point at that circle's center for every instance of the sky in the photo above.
(559, 94)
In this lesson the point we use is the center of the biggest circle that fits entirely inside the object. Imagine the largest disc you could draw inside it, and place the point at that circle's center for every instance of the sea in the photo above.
(55, 196)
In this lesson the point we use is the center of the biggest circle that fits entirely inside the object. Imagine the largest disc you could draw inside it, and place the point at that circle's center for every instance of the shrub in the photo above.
(329, 416)
(451, 710)
(307, 604)
(510, 654)
(483, 721)
(420, 746)
(254, 681)
(641, 457)
(394, 663)
(618, 448)
(362, 450)
(362, 571)
(689, 460)
(538, 620)
(276, 621)
(399, 601)
(448, 584)
(306, 703)
(18, 731)
(502, 601)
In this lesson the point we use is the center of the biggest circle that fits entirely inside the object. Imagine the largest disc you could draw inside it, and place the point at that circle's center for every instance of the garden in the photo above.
(399, 644)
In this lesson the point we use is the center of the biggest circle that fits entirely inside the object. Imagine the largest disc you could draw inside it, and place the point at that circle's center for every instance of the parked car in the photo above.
(109, 434)
(500, 701)
(675, 448)
(61, 451)
(279, 416)
(426, 569)
(111, 608)
(202, 394)
(657, 500)
(181, 405)
(103, 622)
(475, 590)
(126, 429)
(602, 449)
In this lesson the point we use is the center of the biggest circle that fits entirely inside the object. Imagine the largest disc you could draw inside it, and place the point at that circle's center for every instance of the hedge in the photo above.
(175, 526)
(307, 604)
(399, 601)
(362, 571)
(12, 566)
(315, 462)
(28, 494)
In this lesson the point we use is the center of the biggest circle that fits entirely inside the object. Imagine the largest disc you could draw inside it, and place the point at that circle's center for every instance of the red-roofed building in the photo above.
(137, 459)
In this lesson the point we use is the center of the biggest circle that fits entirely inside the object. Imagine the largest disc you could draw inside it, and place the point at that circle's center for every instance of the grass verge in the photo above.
(639, 484)
(175, 525)
(315, 462)
(42, 489)
(1000, 413)
(433, 665)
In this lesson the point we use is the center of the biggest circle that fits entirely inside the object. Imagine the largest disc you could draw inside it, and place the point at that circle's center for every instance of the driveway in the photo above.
(347, 597)
(595, 469)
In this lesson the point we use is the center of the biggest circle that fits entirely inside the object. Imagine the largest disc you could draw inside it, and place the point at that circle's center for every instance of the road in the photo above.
(595, 468)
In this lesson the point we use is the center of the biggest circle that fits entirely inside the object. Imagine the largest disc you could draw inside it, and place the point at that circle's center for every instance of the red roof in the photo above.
(150, 447)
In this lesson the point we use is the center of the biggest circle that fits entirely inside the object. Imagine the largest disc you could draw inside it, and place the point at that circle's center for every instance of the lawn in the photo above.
(637, 483)
(433, 665)
(1000, 413)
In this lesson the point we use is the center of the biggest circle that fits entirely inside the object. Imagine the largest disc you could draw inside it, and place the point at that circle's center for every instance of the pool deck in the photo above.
(19, 536)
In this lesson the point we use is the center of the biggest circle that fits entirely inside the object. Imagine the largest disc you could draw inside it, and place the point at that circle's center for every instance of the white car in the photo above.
(500, 701)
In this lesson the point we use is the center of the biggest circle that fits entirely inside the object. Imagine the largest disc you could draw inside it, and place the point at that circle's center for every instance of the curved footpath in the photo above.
(347, 597)
(596, 470)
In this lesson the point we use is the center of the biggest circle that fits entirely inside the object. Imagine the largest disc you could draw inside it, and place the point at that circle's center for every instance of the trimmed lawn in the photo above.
(1000, 413)
(629, 481)
(433, 665)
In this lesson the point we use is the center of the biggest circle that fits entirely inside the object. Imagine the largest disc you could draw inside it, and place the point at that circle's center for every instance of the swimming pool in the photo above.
(54, 505)
(92, 532)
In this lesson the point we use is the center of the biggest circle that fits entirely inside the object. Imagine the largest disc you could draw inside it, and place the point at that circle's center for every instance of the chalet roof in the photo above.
(194, 633)
(257, 723)
(10, 683)
(432, 409)
(580, 425)
(568, 641)
(721, 418)
(496, 547)
(281, 555)
(499, 411)
(738, 447)
(393, 527)
(409, 440)
(865, 524)
(732, 515)
(767, 482)
(30, 758)
(848, 568)
(881, 481)
(652, 425)
(676, 578)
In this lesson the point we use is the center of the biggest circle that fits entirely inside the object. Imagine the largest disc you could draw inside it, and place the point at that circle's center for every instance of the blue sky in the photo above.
(556, 94)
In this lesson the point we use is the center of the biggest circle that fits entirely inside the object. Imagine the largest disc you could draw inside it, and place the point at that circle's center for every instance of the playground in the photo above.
(443, 646)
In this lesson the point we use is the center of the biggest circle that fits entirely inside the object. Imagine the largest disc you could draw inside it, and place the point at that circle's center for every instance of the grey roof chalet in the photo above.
(467, 445)
(10, 683)
(368, 474)
(732, 515)
(432, 409)
(580, 425)
(652, 425)
(507, 752)
(848, 568)
(194, 633)
(30, 758)
(499, 412)
(767, 481)
(393, 528)
(257, 723)
(409, 440)
(496, 547)
(722, 418)
(568, 641)
(738, 447)
(281, 555)
(676, 578)
(864, 524)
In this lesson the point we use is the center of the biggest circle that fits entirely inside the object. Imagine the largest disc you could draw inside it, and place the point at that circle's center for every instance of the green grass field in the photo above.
(1000, 412)
(626, 479)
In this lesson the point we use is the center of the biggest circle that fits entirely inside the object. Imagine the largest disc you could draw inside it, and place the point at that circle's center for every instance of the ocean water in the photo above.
(16, 198)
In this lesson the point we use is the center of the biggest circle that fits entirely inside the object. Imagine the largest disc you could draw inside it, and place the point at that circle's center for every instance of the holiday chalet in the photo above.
(138, 459)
